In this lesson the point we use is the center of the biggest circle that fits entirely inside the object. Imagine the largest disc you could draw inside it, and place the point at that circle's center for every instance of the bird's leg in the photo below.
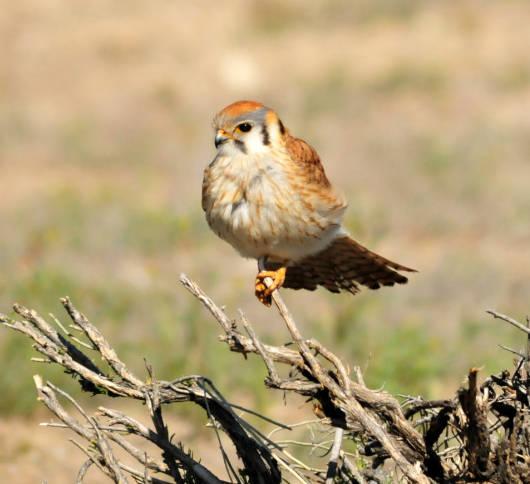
(264, 293)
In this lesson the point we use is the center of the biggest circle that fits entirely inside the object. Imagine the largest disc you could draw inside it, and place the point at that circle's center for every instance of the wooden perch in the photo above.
(480, 434)
(391, 432)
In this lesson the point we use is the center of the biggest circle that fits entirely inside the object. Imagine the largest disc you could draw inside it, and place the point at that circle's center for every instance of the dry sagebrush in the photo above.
(482, 434)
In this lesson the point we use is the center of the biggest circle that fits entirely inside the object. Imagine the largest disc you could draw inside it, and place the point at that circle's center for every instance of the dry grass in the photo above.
(419, 110)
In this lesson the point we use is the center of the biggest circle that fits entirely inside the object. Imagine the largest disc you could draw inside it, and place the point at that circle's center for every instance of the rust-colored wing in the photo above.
(307, 158)
(309, 180)
(342, 266)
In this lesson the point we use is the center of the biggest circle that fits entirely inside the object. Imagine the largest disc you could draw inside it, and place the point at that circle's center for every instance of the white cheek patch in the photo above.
(229, 149)
(254, 141)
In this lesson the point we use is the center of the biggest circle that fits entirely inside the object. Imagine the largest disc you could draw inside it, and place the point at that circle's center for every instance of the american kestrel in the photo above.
(267, 195)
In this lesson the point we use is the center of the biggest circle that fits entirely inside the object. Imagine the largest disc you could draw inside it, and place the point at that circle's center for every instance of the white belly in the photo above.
(254, 209)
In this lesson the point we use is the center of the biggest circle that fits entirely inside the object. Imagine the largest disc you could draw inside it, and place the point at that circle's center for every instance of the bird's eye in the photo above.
(244, 127)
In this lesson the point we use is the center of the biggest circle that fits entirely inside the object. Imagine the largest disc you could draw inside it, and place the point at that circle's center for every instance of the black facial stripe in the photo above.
(241, 146)
(282, 127)
(265, 134)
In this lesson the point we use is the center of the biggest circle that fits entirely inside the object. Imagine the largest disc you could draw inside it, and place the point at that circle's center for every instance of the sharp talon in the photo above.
(264, 293)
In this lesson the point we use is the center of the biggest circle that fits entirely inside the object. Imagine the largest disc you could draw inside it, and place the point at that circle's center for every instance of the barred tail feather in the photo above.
(342, 266)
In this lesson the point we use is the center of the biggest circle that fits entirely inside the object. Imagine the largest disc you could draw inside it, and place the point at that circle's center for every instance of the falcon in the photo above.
(266, 193)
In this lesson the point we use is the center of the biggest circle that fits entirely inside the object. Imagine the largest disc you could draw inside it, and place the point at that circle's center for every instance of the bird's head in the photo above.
(247, 127)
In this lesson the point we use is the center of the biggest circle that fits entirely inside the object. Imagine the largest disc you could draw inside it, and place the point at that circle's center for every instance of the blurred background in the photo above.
(419, 110)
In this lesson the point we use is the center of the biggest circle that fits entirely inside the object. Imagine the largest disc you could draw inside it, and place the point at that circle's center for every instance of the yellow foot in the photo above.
(264, 293)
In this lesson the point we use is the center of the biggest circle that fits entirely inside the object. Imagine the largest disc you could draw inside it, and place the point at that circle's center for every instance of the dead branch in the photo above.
(347, 403)
(377, 419)
(481, 434)
(109, 426)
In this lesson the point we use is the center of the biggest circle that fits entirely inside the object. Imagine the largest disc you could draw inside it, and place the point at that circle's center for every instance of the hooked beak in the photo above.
(221, 137)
